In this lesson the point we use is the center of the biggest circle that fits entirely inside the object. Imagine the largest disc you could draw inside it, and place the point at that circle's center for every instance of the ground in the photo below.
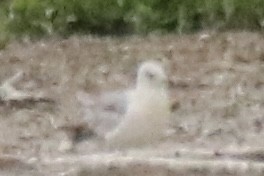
(216, 88)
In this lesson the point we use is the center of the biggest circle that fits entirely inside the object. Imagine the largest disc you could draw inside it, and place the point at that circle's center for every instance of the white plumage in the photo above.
(148, 110)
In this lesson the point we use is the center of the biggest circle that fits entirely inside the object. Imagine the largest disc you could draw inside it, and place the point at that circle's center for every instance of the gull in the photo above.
(148, 110)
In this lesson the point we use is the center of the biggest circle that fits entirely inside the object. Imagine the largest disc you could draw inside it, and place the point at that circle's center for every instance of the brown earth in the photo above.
(216, 85)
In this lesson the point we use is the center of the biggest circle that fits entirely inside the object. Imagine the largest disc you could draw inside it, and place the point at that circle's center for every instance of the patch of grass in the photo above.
(65, 17)
(4, 36)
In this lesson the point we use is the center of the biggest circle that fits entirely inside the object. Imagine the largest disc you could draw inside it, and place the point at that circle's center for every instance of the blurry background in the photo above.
(119, 17)
(213, 51)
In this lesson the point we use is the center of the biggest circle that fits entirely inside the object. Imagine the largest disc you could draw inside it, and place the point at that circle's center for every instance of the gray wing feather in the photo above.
(103, 112)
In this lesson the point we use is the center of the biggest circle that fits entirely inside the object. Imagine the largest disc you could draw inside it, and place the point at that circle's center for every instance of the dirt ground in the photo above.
(216, 86)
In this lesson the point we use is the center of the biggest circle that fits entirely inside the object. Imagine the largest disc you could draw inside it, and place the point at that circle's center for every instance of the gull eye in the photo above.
(149, 75)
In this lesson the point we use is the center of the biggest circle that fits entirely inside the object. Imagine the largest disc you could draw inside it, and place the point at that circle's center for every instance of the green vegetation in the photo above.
(64, 17)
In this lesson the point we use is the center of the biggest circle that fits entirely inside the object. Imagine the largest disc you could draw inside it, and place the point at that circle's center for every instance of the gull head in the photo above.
(151, 74)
